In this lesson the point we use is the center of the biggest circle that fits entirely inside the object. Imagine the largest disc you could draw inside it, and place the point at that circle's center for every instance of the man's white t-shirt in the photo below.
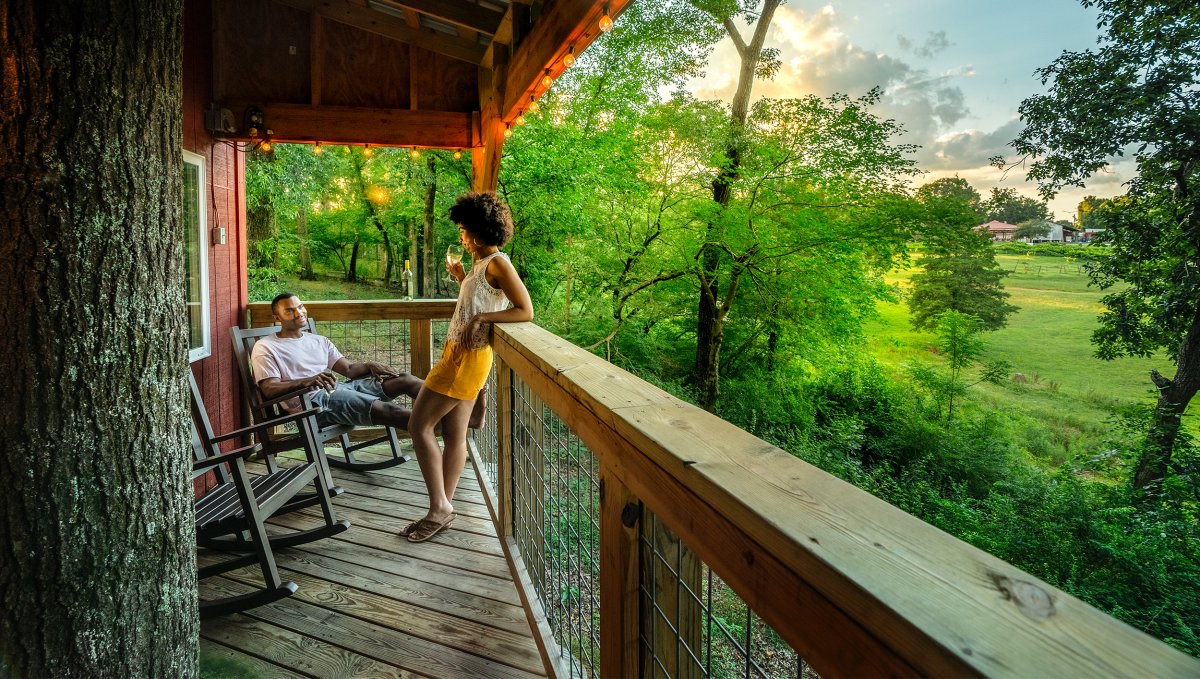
(292, 358)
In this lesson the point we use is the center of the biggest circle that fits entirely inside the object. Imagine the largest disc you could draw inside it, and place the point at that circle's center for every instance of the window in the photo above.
(195, 264)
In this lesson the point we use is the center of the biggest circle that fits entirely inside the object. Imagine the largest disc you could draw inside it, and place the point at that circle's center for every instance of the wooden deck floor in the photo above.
(373, 605)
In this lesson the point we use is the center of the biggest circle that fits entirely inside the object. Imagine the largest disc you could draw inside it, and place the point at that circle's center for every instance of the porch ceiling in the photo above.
(427, 73)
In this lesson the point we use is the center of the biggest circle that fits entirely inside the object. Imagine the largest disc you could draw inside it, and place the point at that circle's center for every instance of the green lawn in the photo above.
(1069, 391)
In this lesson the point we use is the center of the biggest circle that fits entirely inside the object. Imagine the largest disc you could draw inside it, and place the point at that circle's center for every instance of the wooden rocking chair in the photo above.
(263, 410)
(230, 516)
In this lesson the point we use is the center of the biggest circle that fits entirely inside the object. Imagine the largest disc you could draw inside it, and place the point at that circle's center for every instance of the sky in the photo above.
(952, 73)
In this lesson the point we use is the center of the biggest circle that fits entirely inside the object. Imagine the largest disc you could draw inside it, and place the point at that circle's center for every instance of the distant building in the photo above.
(999, 231)
(1089, 235)
(1058, 233)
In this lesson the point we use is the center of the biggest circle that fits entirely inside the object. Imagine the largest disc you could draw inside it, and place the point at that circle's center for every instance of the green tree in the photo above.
(1033, 229)
(960, 341)
(97, 540)
(1010, 207)
(1138, 93)
(956, 188)
(959, 270)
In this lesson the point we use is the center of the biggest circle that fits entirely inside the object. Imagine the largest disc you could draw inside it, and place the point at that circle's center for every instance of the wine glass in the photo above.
(454, 255)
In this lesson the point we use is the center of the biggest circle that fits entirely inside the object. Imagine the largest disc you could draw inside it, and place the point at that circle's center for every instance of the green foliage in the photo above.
(1006, 205)
(1033, 229)
(960, 342)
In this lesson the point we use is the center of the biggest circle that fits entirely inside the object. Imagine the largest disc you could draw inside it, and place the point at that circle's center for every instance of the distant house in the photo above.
(1058, 233)
(999, 231)
(1089, 234)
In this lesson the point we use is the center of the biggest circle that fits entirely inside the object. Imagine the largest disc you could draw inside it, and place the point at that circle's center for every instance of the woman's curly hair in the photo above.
(485, 217)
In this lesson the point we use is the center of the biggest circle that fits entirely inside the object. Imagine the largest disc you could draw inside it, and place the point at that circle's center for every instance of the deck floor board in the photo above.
(371, 604)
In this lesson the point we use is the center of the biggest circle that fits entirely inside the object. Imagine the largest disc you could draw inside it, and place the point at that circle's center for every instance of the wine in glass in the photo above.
(454, 255)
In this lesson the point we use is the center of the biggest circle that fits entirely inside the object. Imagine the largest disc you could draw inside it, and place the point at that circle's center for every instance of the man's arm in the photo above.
(273, 386)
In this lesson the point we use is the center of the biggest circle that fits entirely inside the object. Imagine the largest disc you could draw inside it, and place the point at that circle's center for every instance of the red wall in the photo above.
(226, 201)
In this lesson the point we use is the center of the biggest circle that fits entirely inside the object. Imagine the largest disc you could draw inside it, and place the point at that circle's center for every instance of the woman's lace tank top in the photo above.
(476, 297)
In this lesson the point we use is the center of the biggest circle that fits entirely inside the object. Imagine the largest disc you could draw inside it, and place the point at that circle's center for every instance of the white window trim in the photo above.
(205, 349)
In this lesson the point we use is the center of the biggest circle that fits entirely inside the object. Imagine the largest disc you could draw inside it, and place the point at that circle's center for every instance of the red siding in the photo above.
(225, 199)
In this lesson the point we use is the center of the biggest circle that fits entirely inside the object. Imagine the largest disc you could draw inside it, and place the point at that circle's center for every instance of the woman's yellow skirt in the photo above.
(460, 373)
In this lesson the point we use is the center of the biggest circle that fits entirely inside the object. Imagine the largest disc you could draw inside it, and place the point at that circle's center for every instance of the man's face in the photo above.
(291, 314)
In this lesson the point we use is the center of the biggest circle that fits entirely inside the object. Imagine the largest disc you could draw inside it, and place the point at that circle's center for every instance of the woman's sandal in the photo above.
(426, 529)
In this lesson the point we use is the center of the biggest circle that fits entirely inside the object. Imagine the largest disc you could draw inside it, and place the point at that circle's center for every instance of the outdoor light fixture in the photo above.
(605, 21)
(367, 150)
(569, 60)
(457, 154)
(547, 81)
(265, 147)
(507, 131)
(317, 149)
(533, 105)
(520, 119)
(414, 153)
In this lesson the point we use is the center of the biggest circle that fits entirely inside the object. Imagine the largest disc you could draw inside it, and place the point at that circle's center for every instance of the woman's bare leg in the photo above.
(454, 436)
(428, 408)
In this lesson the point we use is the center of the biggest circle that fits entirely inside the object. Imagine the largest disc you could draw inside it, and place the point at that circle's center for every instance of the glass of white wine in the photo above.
(454, 255)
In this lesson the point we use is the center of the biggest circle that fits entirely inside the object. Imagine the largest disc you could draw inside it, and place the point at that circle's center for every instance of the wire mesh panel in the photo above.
(388, 342)
(694, 625)
(556, 500)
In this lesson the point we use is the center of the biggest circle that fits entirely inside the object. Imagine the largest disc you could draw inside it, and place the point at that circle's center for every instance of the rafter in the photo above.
(358, 15)
(355, 125)
(473, 17)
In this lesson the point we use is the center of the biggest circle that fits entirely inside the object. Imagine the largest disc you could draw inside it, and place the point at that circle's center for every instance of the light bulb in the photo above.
(507, 131)
(547, 81)
(605, 22)
(265, 147)
(520, 118)
(414, 153)
(457, 154)
(367, 150)
(346, 149)
(533, 105)
(317, 149)
(569, 60)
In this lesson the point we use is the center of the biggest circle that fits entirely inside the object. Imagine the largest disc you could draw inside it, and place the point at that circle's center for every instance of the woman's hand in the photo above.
(477, 332)
(456, 269)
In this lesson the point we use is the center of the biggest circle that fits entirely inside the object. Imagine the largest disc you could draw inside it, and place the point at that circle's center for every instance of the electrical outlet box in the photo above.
(219, 121)
(218, 235)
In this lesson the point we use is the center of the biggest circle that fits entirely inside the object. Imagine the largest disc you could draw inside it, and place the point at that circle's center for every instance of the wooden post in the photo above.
(673, 606)
(619, 595)
(420, 334)
(504, 452)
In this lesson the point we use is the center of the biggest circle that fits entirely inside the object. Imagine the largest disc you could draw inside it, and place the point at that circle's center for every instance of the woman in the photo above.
(450, 390)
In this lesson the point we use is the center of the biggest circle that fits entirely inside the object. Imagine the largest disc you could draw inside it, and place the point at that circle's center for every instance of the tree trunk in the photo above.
(306, 270)
(710, 314)
(357, 160)
(426, 261)
(352, 270)
(1174, 395)
(97, 541)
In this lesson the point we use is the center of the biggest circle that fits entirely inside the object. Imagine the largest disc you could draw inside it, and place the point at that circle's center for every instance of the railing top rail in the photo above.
(361, 310)
(856, 585)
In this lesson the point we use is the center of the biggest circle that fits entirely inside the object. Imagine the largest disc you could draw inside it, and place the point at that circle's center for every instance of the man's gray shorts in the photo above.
(350, 403)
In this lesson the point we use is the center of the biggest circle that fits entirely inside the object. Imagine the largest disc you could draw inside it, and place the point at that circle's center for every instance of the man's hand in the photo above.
(324, 381)
(380, 371)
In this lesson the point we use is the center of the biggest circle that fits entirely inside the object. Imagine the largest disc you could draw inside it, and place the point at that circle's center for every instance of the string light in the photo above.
(547, 81)
(457, 154)
(265, 147)
(605, 21)
(367, 150)
(533, 105)
(317, 149)
(507, 131)
(346, 149)
(414, 153)
(520, 119)
(569, 60)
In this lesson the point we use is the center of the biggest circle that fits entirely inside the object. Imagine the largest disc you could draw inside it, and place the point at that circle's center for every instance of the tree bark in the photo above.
(1174, 395)
(710, 314)
(97, 541)
(352, 270)
(306, 270)
(426, 273)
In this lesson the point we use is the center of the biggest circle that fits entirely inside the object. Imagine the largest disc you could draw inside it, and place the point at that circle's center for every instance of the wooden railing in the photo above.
(854, 585)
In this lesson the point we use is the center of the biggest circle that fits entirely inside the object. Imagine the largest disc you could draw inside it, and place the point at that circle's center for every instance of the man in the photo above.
(292, 359)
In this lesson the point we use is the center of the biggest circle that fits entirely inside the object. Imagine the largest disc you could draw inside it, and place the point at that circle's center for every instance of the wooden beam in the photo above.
(358, 15)
(471, 17)
(301, 123)
(485, 160)
(561, 25)
(258, 314)
(620, 513)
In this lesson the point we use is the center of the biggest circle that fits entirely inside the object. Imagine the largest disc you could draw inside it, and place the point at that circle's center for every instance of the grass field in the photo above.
(1069, 392)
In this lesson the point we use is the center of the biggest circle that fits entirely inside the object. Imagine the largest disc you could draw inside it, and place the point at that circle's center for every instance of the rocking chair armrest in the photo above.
(266, 424)
(243, 452)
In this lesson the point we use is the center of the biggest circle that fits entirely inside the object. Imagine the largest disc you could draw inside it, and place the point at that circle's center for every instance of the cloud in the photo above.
(933, 45)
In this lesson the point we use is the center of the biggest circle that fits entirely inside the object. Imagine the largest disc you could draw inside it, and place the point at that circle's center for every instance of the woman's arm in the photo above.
(502, 274)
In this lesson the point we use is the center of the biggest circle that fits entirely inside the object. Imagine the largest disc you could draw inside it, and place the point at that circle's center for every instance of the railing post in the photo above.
(504, 448)
(674, 622)
(420, 333)
(620, 512)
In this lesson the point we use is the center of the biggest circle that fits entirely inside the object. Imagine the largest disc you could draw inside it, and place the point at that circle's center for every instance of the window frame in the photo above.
(205, 348)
